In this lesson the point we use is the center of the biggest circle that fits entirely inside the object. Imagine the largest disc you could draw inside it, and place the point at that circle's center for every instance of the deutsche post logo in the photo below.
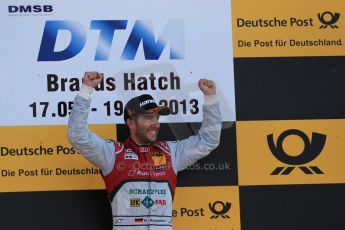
(328, 19)
(312, 150)
(219, 208)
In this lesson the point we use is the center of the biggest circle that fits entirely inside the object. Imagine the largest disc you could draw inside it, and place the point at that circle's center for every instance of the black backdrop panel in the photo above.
(289, 88)
(293, 207)
(60, 210)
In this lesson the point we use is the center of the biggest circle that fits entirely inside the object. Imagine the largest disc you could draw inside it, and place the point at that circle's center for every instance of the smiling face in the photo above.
(144, 128)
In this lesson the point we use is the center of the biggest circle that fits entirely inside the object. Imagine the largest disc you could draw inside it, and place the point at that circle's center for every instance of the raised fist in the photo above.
(208, 87)
(92, 79)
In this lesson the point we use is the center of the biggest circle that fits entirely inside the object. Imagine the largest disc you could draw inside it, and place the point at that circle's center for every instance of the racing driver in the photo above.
(140, 173)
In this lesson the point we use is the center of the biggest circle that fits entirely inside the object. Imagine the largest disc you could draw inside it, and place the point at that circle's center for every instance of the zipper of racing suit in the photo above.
(149, 169)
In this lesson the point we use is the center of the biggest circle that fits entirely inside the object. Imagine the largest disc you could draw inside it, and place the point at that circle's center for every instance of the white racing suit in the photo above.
(141, 180)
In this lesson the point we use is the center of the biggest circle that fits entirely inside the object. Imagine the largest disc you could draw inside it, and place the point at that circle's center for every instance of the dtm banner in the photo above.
(154, 46)
(157, 47)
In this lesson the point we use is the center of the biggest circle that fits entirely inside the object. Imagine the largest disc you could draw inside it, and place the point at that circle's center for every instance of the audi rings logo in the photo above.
(311, 150)
(219, 208)
(328, 19)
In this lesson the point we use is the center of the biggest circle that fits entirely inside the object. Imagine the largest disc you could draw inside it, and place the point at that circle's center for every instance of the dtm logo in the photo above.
(311, 150)
(142, 32)
(328, 19)
(30, 9)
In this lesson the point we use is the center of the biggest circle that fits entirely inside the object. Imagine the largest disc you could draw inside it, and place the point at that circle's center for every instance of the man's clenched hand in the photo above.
(208, 87)
(92, 79)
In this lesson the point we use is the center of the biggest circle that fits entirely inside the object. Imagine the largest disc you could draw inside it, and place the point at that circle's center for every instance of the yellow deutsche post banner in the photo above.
(40, 158)
(207, 208)
(272, 28)
(291, 152)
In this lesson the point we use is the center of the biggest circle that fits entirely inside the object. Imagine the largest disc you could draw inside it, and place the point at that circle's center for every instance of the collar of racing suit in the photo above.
(129, 143)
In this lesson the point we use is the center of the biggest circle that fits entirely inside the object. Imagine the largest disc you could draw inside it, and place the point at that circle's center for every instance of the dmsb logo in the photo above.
(142, 32)
(30, 8)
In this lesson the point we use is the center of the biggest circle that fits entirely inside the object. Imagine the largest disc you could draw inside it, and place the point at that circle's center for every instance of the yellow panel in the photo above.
(272, 28)
(207, 208)
(40, 158)
(317, 159)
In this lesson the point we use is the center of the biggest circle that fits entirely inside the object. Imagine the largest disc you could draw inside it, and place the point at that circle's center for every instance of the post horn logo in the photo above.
(224, 208)
(328, 19)
(311, 150)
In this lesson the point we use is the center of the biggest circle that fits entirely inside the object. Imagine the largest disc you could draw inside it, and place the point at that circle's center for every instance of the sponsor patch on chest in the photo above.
(130, 155)
(158, 158)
